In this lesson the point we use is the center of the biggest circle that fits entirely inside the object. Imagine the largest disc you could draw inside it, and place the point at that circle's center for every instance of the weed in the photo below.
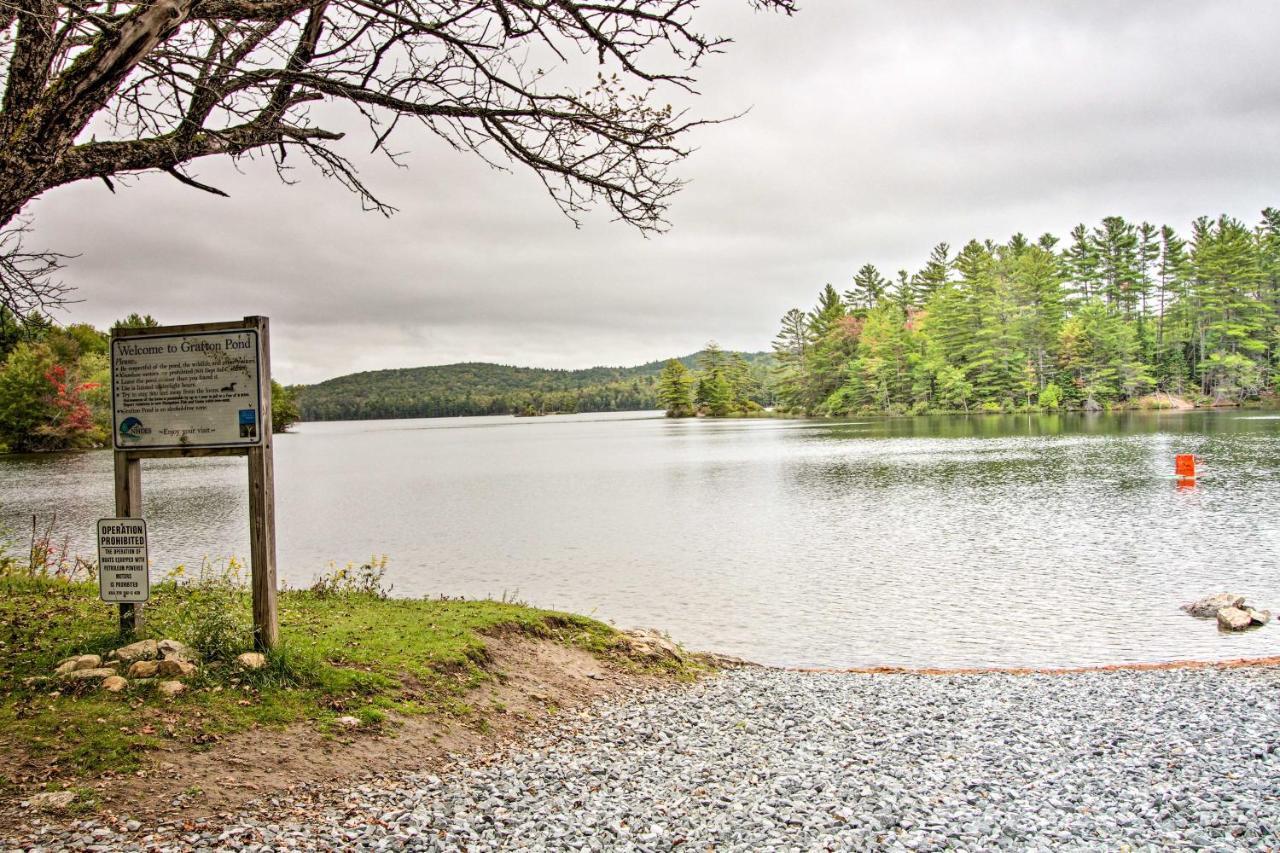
(365, 579)
(46, 556)
(213, 613)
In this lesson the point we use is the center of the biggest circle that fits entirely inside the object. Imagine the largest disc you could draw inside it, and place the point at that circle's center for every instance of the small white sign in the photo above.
(202, 389)
(123, 576)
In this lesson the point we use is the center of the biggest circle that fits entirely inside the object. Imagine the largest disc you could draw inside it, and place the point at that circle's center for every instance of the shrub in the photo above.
(1050, 396)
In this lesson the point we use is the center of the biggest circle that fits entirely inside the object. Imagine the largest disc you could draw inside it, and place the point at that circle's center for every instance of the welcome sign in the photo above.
(201, 389)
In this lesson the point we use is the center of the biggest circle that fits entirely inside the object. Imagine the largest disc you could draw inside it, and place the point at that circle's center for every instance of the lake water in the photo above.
(988, 540)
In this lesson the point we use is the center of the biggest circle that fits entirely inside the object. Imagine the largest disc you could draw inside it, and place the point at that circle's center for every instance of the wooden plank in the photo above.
(187, 329)
(128, 477)
(262, 509)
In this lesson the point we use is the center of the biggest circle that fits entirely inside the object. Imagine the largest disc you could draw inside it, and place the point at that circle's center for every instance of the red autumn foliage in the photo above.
(73, 414)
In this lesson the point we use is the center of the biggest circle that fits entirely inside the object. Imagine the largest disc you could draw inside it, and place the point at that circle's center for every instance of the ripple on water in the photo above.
(984, 541)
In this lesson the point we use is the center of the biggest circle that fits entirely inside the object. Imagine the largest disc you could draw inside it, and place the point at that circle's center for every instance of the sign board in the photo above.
(123, 575)
(198, 389)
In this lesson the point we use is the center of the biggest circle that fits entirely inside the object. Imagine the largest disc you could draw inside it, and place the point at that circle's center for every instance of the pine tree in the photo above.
(1082, 262)
(1171, 289)
(1039, 291)
(1116, 246)
(1100, 357)
(675, 389)
(1234, 324)
(935, 274)
(790, 348)
(869, 287)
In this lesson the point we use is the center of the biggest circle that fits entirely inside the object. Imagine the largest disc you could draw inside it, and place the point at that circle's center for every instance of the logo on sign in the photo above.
(131, 429)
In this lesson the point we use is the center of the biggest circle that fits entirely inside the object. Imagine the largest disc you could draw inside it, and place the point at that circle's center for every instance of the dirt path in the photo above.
(537, 682)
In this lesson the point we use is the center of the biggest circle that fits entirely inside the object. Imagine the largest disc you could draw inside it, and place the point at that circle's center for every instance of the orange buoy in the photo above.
(1185, 465)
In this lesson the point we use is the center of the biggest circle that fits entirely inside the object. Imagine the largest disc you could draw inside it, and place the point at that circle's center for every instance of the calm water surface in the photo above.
(993, 540)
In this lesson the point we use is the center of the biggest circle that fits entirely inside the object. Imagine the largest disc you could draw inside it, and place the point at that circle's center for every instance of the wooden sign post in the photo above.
(199, 390)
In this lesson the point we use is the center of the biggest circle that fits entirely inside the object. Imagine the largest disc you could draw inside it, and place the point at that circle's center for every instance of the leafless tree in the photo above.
(101, 88)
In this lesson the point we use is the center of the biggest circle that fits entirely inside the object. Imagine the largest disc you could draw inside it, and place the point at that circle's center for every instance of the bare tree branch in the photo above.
(163, 83)
(28, 280)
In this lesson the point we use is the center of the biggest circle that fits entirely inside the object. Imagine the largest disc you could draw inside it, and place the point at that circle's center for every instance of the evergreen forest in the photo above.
(1119, 314)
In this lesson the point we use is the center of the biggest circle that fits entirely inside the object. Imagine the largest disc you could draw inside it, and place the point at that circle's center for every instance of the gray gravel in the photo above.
(765, 759)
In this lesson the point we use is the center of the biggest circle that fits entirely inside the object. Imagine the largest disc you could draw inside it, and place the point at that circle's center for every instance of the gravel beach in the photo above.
(760, 759)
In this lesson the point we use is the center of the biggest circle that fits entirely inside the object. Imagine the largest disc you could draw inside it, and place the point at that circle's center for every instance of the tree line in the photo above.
(479, 388)
(1120, 311)
(55, 384)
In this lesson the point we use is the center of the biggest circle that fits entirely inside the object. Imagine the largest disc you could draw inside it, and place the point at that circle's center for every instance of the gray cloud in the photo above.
(874, 131)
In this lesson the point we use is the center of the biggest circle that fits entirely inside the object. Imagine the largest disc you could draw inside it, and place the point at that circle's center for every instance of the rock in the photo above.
(89, 674)
(173, 667)
(1234, 619)
(1207, 608)
(141, 650)
(114, 683)
(144, 669)
(170, 688)
(68, 665)
(1259, 617)
(175, 650)
(252, 660)
(349, 722)
(53, 801)
(647, 643)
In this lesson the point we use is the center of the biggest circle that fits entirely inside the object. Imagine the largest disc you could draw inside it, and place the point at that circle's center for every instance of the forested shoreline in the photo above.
(1120, 311)
(1116, 314)
(480, 388)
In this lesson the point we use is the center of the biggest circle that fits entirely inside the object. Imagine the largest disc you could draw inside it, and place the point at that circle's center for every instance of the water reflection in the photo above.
(1008, 540)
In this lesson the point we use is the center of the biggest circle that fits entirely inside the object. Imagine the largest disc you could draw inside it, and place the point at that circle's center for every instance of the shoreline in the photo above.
(1147, 666)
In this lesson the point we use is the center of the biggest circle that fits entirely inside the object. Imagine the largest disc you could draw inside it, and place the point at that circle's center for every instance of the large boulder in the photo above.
(1234, 619)
(1207, 608)
(141, 650)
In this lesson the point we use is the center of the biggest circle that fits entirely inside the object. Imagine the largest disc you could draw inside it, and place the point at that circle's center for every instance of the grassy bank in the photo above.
(344, 651)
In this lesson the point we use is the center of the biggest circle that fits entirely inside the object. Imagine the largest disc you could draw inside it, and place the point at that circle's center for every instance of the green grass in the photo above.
(345, 653)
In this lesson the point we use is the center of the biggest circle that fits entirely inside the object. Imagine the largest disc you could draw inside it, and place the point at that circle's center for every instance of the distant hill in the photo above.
(481, 388)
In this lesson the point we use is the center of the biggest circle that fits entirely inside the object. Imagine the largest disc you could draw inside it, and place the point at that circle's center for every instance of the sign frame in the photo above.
(160, 333)
(262, 517)
(146, 564)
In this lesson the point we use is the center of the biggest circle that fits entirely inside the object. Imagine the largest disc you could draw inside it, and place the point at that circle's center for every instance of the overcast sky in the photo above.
(875, 131)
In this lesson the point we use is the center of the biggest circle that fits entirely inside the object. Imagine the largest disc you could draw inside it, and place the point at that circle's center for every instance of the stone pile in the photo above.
(143, 661)
(1230, 611)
